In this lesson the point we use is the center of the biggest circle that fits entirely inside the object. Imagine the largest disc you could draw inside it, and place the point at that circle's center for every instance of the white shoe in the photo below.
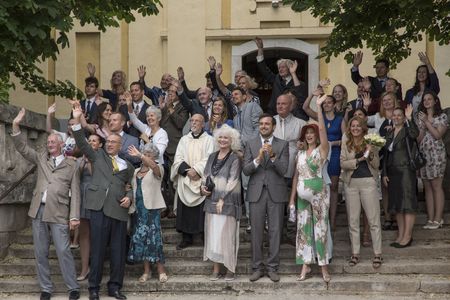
(427, 226)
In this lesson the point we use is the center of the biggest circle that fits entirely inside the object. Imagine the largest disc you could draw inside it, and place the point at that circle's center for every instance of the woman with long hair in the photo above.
(360, 163)
(219, 116)
(341, 95)
(426, 79)
(433, 124)
(313, 198)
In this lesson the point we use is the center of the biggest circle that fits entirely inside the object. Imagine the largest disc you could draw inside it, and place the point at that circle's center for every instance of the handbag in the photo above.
(209, 184)
(416, 161)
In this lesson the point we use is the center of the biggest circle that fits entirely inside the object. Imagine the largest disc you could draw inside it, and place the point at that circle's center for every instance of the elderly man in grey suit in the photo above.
(266, 159)
(54, 209)
(108, 201)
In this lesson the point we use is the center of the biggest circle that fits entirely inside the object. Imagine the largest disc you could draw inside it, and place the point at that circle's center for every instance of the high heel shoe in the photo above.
(398, 245)
(326, 277)
(436, 224)
(144, 277)
(83, 277)
(304, 275)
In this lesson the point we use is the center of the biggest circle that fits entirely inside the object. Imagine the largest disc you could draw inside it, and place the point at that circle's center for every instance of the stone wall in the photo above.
(14, 208)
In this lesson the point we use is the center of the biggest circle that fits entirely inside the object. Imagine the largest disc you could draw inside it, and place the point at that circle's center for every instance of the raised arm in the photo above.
(91, 71)
(20, 141)
(143, 128)
(357, 60)
(268, 75)
(434, 81)
(324, 147)
(48, 120)
(80, 139)
(216, 80)
(307, 105)
(293, 71)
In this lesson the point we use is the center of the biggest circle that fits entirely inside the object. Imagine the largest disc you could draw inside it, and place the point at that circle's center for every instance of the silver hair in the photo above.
(155, 110)
(151, 149)
(226, 130)
(287, 62)
(59, 137)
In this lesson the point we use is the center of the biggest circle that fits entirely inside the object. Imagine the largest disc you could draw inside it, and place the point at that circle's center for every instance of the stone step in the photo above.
(171, 236)
(179, 285)
(419, 249)
(189, 266)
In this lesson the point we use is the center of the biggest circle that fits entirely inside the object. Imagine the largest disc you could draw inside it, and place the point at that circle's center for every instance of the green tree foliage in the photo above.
(26, 35)
(387, 27)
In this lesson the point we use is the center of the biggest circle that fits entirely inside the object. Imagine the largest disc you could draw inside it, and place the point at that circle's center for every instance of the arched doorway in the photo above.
(244, 57)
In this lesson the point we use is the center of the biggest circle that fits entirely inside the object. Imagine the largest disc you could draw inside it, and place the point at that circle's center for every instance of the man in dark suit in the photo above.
(174, 117)
(88, 105)
(54, 208)
(285, 80)
(266, 159)
(381, 69)
(116, 124)
(139, 108)
(108, 201)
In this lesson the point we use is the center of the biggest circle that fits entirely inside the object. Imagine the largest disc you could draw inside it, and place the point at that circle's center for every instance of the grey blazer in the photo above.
(268, 173)
(106, 188)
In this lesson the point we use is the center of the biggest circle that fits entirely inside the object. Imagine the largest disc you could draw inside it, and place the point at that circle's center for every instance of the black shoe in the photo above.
(394, 244)
(183, 245)
(93, 295)
(117, 295)
(74, 295)
(45, 296)
(404, 246)
(256, 275)
(274, 276)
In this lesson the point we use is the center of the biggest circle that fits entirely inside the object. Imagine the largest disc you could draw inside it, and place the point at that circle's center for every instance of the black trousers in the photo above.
(104, 231)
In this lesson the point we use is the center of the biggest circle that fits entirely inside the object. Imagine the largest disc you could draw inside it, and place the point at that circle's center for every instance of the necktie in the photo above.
(282, 128)
(88, 108)
(115, 165)
(266, 156)
(54, 162)
(136, 109)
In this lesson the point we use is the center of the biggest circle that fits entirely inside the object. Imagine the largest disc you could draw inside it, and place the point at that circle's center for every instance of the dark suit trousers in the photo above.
(258, 211)
(104, 231)
(167, 184)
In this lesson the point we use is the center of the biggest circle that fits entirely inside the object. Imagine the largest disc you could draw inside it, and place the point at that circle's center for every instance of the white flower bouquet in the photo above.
(374, 139)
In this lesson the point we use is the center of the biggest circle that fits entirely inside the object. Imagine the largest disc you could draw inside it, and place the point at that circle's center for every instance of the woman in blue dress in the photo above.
(334, 133)
(146, 243)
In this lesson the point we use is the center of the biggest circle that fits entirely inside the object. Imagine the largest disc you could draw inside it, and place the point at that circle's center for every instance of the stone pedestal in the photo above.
(14, 207)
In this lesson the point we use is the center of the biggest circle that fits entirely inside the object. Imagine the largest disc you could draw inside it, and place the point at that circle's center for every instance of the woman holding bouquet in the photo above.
(313, 198)
(398, 175)
(360, 162)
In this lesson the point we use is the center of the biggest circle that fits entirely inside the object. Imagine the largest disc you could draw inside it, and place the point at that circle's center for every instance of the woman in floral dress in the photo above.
(433, 125)
(313, 199)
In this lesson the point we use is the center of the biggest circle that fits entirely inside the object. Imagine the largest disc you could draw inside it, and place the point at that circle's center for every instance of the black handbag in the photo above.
(416, 161)
(209, 184)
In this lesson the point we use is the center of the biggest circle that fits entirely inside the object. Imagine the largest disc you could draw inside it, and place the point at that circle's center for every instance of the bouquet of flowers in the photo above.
(374, 139)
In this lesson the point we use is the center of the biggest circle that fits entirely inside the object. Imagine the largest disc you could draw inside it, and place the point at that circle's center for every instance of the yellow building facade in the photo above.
(186, 32)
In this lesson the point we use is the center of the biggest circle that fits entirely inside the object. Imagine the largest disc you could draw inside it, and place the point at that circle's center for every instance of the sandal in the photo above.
(144, 277)
(377, 262)
(304, 275)
(354, 260)
(163, 277)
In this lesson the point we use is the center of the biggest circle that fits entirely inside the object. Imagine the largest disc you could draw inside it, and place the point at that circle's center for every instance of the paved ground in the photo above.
(285, 295)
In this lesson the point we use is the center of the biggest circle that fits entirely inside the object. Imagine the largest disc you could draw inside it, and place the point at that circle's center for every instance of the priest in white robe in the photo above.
(187, 173)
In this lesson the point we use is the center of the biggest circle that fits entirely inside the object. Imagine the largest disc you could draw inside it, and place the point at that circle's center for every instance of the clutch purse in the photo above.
(209, 184)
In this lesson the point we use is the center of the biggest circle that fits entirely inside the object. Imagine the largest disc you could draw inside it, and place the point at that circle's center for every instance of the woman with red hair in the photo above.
(313, 198)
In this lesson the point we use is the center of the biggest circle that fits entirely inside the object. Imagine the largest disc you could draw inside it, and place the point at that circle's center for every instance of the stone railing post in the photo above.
(14, 207)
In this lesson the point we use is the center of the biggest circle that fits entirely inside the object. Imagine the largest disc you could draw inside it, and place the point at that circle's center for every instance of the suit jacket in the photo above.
(246, 121)
(62, 184)
(279, 86)
(123, 109)
(193, 106)
(127, 141)
(173, 124)
(398, 157)
(106, 188)
(268, 173)
(91, 116)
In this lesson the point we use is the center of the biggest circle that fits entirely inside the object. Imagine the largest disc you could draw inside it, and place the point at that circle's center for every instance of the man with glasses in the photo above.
(108, 201)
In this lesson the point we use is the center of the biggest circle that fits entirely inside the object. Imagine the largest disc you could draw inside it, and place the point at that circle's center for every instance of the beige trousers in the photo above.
(363, 191)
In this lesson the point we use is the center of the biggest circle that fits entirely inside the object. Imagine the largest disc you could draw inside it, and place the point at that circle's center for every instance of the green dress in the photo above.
(313, 229)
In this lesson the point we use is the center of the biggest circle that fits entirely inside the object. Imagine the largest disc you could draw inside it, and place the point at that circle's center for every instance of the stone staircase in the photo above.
(422, 269)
